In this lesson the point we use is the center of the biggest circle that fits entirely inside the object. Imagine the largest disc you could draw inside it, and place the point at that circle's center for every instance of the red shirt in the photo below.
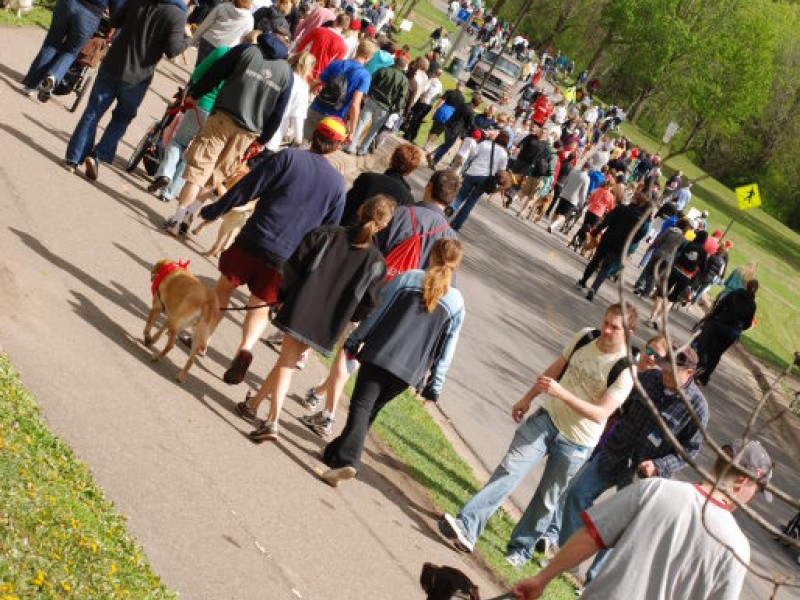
(326, 45)
(541, 110)
(601, 202)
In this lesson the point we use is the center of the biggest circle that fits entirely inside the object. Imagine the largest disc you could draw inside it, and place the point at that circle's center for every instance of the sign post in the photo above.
(668, 135)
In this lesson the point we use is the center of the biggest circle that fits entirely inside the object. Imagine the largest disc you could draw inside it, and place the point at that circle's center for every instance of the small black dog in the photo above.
(443, 583)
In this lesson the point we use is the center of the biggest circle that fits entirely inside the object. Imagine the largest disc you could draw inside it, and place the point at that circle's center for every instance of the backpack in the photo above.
(541, 164)
(333, 96)
(267, 19)
(444, 113)
(617, 368)
(406, 255)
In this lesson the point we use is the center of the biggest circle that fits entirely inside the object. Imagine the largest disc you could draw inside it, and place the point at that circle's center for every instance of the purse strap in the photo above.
(491, 160)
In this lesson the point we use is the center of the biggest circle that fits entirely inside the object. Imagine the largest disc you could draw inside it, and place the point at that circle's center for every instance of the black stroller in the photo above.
(78, 78)
(150, 149)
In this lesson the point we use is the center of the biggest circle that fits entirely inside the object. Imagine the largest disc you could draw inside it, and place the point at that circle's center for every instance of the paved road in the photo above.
(74, 269)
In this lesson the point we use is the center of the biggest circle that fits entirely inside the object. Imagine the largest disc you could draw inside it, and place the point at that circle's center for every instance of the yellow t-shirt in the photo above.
(586, 377)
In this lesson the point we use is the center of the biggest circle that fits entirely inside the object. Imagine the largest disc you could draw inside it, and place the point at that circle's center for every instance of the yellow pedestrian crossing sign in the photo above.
(748, 196)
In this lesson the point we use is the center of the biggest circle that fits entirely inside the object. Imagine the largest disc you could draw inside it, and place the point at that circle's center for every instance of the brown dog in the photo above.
(187, 303)
(443, 583)
(229, 228)
(590, 245)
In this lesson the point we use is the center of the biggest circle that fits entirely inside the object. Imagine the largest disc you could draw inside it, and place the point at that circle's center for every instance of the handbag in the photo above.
(490, 183)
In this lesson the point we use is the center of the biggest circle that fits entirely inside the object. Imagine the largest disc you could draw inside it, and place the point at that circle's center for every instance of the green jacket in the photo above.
(389, 88)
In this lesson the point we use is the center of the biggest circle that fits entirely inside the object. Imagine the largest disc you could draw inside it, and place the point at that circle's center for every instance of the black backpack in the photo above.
(267, 19)
(334, 95)
(541, 164)
(617, 369)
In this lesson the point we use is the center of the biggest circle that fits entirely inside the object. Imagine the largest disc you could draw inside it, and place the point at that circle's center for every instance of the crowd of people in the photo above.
(277, 89)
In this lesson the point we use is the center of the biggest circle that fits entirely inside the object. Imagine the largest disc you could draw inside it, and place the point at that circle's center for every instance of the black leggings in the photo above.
(375, 388)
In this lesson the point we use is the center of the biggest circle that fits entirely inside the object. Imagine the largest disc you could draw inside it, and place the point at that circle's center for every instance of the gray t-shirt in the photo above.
(662, 550)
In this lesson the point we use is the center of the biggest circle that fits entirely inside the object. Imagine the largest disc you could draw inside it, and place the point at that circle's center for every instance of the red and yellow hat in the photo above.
(333, 128)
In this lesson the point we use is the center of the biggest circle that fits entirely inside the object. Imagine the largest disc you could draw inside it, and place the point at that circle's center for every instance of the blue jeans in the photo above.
(534, 440)
(105, 91)
(72, 26)
(374, 114)
(587, 486)
(468, 196)
(450, 138)
(173, 163)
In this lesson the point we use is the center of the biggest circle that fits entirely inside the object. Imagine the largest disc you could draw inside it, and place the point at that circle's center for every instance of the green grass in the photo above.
(59, 536)
(36, 17)
(756, 236)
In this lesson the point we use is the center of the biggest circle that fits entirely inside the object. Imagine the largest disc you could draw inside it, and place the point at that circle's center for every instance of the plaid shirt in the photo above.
(637, 437)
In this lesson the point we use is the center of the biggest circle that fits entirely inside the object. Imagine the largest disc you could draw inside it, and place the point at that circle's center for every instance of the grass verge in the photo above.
(36, 17)
(59, 536)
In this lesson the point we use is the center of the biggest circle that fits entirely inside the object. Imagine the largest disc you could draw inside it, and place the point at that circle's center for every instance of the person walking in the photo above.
(615, 228)
(294, 117)
(662, 251)
(408, 341)
(224, 26)
(249, 106)
(327, 44)
(642, 523)
(387, 94)
(148, 30)
(723, 326)
(73, 24)
(582, 387)
(475, 55)
(297, 191)
(485, 161)
(637, 446)
(422, 107)
(535, 163)
(573, 195)
(333, 277)
(426, 220)
(601, 202)
(460, 123)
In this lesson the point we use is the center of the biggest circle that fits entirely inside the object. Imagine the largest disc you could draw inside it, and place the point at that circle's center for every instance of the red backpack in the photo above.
(405, 256)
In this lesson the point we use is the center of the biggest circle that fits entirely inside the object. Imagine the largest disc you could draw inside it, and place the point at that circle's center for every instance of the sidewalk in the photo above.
(218, 516)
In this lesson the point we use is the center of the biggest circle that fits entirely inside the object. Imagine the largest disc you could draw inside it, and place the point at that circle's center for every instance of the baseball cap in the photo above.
(332, 128)
(685, 358)
(355, 25)
(752, 457)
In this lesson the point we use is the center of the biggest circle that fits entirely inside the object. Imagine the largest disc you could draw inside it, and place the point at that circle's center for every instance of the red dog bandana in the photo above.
(165, 270)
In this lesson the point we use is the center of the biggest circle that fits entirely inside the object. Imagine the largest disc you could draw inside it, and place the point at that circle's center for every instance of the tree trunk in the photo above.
(638, 105)
(562, 23)
(598, 53)
(687, 143)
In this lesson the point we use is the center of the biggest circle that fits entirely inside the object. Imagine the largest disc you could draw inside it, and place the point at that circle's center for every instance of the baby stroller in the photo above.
(150, 148)
(78, 78)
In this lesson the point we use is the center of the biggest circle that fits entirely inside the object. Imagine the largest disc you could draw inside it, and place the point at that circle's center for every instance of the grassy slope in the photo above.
(59, 536)
(38, 17)
(756, 236)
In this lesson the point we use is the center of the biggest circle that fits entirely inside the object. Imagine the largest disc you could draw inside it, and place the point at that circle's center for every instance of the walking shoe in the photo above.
(267, 432)
(580, 284)
(28, 91)
(333, 476)
(302, 362)
(590, 295)
(46, 88)
(542, 545)
(451, 529)
(69, 167)
(244, 410)
(516, 560)
(238, 369)
(173, 228)
(183, 228)
(92, 167)
(159, 183)
(312, 400)
(275, 341)
(319, 423)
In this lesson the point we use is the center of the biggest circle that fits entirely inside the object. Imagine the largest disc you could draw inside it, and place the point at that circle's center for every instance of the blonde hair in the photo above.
(365, 50)
(302, 63)
(749, 271)
(445, 258)
(374, 215)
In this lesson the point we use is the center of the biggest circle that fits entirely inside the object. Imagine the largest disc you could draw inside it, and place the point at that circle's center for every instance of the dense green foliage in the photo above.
(726, 71)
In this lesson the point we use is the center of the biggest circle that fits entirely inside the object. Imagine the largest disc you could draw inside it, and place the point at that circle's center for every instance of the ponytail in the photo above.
(374, 215)
(445, 258)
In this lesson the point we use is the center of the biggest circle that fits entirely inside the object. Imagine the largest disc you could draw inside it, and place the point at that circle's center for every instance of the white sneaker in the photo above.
(333, 476)
(516, 560)
(451, 529)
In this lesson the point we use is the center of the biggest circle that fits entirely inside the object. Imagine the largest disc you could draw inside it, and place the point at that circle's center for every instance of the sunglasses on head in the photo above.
(652, 353)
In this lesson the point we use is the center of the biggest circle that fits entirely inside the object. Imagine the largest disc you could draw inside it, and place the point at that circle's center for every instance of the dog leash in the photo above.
(243, 308)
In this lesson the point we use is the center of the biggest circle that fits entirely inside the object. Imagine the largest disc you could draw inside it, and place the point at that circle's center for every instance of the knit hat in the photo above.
(332, 128)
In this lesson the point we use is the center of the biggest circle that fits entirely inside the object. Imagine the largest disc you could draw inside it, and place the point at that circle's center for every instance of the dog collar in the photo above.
(162, 273)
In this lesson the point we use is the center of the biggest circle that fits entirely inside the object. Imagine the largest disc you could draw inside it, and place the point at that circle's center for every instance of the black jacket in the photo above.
(736, 310)
(617, 226)
(148, 30)
(326, 284)
(391, 183)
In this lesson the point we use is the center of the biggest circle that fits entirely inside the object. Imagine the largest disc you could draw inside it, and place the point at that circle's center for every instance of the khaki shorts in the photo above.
(532, 185)
(216, 151)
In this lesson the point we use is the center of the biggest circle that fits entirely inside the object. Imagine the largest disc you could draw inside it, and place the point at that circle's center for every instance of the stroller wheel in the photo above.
(85, 84)
(142, 148)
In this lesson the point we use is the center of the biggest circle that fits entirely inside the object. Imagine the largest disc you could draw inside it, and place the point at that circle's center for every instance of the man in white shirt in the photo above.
(671, 539)
(581, 388)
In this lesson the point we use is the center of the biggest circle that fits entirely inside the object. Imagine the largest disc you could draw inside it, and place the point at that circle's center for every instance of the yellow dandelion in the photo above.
(39, 579)
(114, 568)
(66, 586)
(6, 588)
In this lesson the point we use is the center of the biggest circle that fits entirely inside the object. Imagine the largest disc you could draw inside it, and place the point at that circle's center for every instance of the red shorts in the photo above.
(240, 267)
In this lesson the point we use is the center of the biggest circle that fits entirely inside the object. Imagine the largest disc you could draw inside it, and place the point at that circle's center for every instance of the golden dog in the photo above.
(187, 303)
(590, 245)
(230, 227)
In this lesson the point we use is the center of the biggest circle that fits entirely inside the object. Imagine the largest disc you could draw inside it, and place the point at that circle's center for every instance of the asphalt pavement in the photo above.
(218, 516)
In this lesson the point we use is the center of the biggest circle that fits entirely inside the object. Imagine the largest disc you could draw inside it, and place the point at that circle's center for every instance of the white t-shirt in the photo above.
(295, 113)
(586, 376)
(560, 114)
(224, 26)
(467, 144)
(663, 550)
(481, 155)
(432, 90)
(421, 77)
